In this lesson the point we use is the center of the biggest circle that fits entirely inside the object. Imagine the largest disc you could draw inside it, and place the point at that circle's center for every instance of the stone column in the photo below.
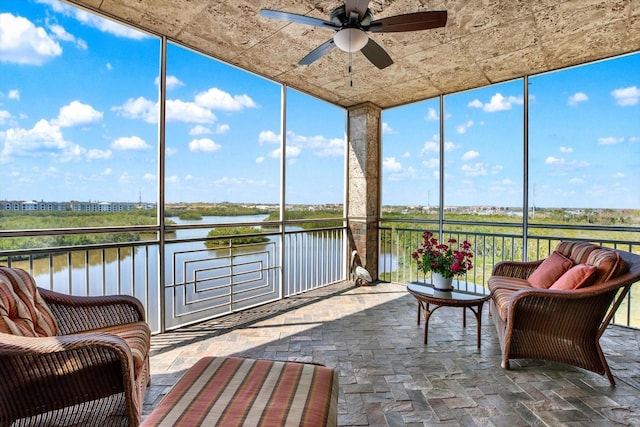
(363, 182)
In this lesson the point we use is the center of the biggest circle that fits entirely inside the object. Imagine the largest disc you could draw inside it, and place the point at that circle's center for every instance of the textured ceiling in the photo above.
(484, 41)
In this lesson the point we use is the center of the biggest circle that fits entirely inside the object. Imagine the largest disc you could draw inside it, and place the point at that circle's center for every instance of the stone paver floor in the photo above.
(388, 377)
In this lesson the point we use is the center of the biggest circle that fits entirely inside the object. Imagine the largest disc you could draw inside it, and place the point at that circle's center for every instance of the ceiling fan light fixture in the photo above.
(350, 39)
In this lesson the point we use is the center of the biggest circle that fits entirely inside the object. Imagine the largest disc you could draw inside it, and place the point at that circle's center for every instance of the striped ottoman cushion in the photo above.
(234, 391)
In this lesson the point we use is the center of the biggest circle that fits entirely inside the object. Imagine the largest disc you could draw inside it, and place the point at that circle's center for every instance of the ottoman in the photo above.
(236, 391)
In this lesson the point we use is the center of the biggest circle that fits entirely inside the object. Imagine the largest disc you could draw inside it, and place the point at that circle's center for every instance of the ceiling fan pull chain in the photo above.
(350, 78)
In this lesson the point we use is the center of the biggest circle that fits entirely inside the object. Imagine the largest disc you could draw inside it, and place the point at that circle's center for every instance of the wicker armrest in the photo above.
(15, 345)
(81, 313)
(51, 373)
(521, 270)
(562, 310)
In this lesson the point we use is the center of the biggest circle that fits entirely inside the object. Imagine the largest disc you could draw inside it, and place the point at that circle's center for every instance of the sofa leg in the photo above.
(505, 364)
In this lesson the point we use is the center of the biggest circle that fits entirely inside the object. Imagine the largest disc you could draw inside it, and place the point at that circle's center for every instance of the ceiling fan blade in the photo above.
(298, 19)
(409, 22)
(359, 6)
(376, 54)
(318, 52)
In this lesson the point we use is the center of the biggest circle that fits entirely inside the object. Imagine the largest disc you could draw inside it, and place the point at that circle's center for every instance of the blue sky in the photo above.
(78, 120)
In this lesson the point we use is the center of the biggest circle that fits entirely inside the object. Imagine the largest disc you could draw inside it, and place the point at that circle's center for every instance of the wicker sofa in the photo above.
(68, 360)
(558, 308)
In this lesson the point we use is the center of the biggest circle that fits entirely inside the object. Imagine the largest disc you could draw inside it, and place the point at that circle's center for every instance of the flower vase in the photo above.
(441, 283)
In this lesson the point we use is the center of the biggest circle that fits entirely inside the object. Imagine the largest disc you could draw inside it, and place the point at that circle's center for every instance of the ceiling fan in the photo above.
(351, 23)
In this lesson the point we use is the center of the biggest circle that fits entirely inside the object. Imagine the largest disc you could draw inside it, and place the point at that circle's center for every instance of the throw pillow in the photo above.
(550, 270)
(578, 276)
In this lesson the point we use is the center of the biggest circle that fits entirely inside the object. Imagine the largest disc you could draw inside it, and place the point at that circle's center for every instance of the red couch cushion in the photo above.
(550, 270)
(578, 276)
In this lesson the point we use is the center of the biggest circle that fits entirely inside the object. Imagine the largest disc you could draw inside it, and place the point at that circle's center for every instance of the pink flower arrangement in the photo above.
(441, 258)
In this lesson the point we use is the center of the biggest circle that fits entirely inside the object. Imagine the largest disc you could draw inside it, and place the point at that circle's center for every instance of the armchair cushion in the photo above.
(22, 310)
(137, 336)
(578, 276)
(550, 270)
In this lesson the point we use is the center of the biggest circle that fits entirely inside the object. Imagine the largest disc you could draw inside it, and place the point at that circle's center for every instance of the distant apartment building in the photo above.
(29, 205)
(102, 206)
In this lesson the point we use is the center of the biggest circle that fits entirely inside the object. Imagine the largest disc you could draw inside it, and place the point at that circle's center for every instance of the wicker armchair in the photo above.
(68, 360)
(560, 325)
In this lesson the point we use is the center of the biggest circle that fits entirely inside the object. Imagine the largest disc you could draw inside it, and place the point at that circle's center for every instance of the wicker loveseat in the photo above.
(68, 360)
(558, 308)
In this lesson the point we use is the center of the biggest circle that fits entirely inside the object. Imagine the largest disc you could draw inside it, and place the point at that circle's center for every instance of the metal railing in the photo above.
(398, 243)
(200, 282)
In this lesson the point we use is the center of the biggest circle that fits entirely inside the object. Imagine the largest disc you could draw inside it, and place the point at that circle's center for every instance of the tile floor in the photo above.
(389, 378)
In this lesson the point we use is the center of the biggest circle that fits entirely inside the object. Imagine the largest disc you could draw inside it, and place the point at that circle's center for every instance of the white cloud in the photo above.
(188, 112)
(626, 96)
(496, 169)
(432, 163)
(96, 154)
(172, 82)
(470, 155)
(497, 103)
(259, 159)
(176, 110)
(172, 179)
(21, 42)
(139, 108)
(125, 178)
(390, 164)
(566, 150)
(386, 128)
(554, 160)
(431, 114)
(477, 169)
(461, 129)
(223, 128)
(149, 177)
(204, 144)
(577, 98)
(610, 140)
(199, 130)
(77, 113)
(268, 136)
(559, 161)
(95, 21)
(129, 143)
(576, 180)
(321, 146)
(292, 152)
(62, 34)
(44, 139)
(109, 66)
(430, 147)
(4, 116)
(107, 172)
(14, 94)
(618, 175)
(170, 151)
(215, 98)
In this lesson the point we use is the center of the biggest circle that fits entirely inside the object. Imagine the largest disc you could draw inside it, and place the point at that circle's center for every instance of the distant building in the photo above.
(32, 206)
(102, 206)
